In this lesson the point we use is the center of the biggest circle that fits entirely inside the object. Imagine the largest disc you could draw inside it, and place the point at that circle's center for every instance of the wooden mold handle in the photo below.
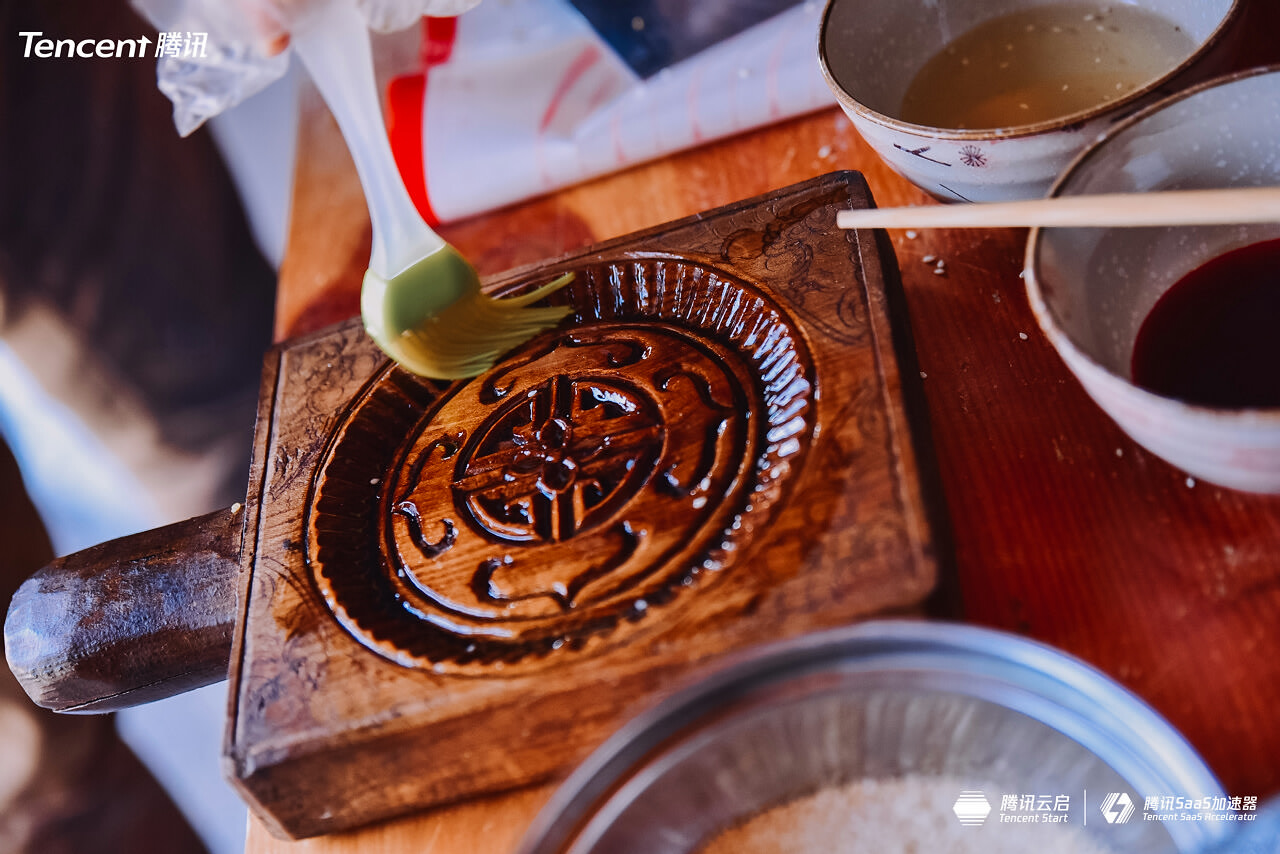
(129, 621)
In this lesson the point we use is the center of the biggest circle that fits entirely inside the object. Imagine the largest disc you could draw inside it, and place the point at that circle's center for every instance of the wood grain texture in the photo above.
(483, 825)
(1064, 530)
(129, 621)
(714, 449)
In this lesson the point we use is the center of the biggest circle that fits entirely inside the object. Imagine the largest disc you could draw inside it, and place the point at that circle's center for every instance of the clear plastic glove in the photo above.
(244, 50)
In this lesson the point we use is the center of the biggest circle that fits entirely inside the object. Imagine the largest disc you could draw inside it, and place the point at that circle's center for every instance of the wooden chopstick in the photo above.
(1168, 207)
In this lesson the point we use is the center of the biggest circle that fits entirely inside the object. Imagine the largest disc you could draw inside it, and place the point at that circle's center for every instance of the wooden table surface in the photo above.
(1063, 529)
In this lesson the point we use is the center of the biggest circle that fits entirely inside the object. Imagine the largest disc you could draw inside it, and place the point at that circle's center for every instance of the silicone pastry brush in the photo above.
(421, 300)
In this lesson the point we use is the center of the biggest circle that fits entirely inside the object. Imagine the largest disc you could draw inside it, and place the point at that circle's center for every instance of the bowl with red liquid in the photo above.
(1175, 331)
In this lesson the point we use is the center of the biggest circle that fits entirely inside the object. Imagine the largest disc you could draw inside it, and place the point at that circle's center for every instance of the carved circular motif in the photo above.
(552, 462)
(598, 476)
(559, 484)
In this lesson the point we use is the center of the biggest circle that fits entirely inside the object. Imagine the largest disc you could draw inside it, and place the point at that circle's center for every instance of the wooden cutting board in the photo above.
(454, 590)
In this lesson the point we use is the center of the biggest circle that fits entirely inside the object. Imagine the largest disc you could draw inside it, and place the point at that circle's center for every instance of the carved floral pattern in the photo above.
(594, 478)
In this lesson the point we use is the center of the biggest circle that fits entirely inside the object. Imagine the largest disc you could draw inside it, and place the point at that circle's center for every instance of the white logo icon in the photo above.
(1117, 807)
(971, 808)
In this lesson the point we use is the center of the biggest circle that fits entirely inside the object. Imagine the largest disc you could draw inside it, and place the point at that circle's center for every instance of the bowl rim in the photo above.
(1046, 317)
(1069, 121)
(737, 676)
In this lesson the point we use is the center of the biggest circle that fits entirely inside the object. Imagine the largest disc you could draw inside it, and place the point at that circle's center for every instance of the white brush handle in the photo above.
(1169, 207)
(332, 40)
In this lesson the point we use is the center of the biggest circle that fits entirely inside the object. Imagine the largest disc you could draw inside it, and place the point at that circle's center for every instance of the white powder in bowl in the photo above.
(908, 815)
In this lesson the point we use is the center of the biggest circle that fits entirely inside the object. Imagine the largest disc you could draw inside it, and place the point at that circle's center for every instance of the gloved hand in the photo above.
(245, 48)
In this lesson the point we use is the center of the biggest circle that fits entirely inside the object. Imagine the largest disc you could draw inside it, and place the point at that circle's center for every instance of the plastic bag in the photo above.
(522, 97)
(239, 54)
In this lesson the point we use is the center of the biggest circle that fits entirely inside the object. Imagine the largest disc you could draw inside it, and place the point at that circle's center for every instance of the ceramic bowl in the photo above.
(871, 50)
(1091, 288)
(983, 713)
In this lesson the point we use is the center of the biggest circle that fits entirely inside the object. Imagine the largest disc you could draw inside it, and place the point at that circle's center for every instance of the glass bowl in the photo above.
(978, 716)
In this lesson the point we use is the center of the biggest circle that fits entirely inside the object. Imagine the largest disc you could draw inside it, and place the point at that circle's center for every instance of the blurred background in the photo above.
(136, 300)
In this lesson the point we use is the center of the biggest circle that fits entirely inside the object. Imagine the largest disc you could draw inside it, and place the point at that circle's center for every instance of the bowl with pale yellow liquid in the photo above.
(989, 100)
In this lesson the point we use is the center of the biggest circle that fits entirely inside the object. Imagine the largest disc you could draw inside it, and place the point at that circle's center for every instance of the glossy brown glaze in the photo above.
(129, 621)
(469, 586)
(605, 471)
